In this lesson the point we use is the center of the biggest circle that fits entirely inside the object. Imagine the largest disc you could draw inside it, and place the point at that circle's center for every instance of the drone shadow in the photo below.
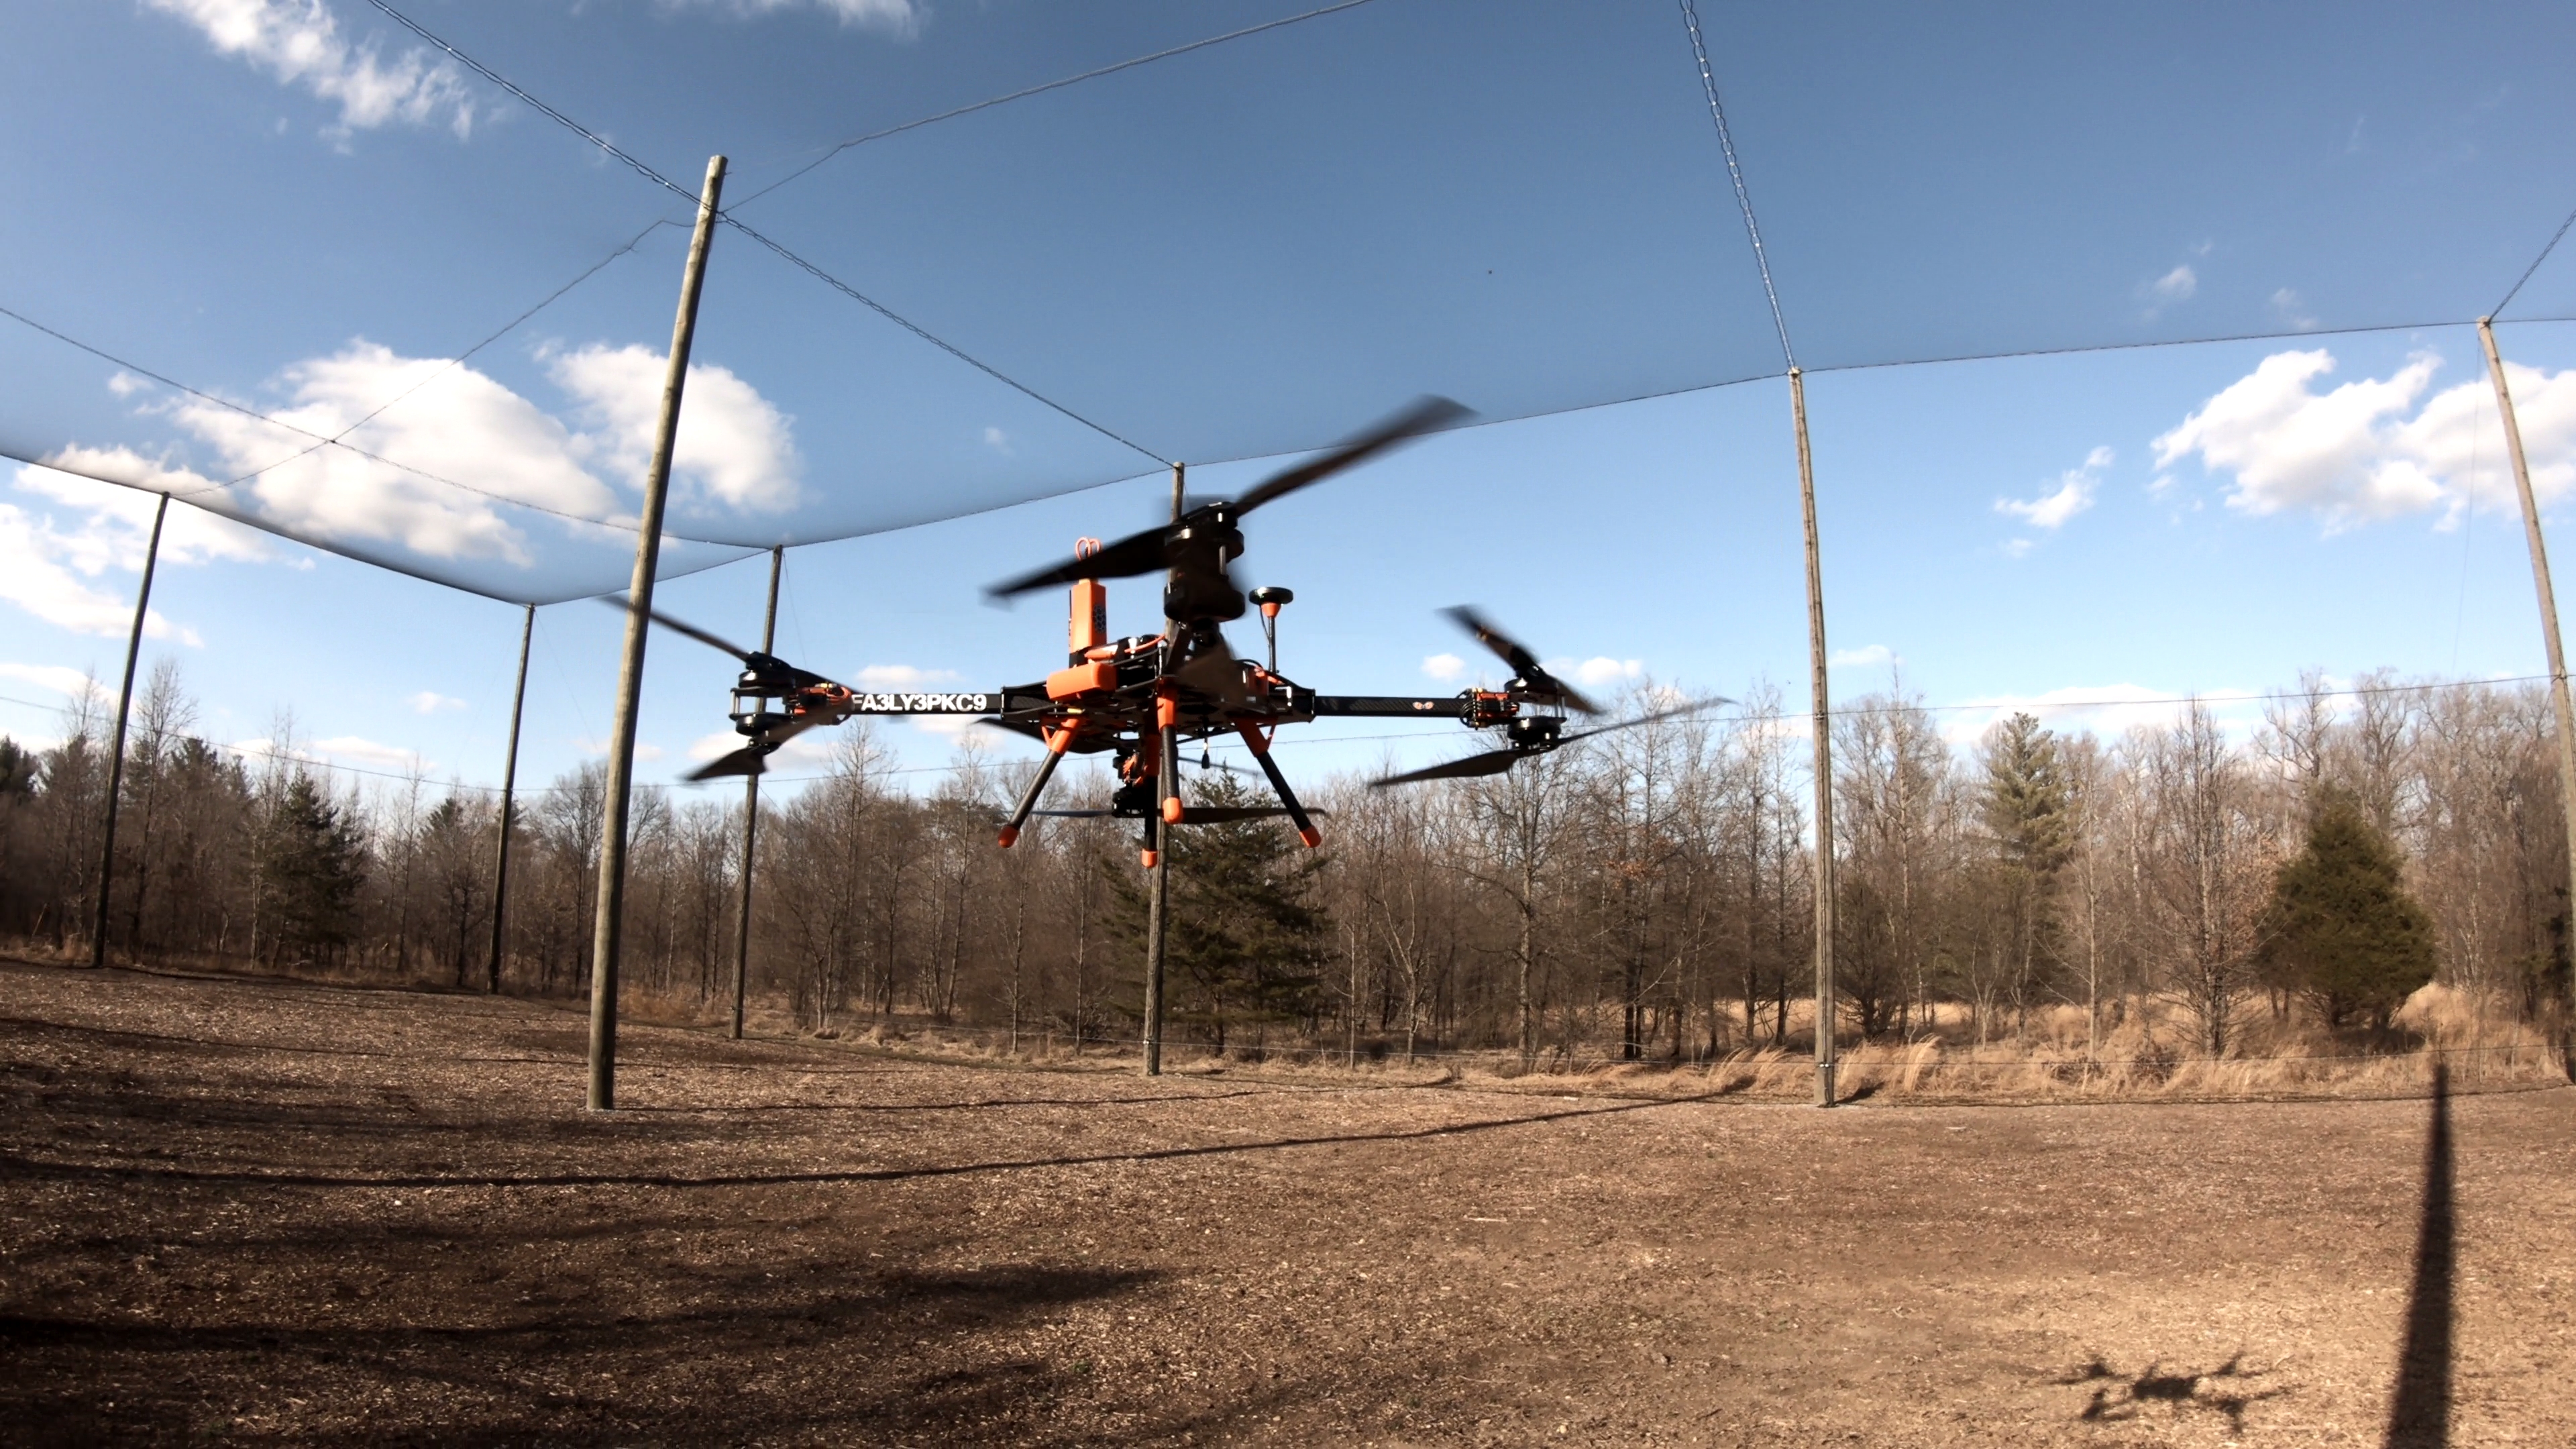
(2118, 1397)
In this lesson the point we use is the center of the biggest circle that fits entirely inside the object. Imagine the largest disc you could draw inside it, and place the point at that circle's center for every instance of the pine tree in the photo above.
(2027, 811)
(313, 869)
(1244, 940)
(2341, 925)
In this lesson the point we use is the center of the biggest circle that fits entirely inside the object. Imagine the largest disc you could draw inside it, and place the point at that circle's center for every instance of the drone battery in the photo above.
(1082, 679)
(1090, 617)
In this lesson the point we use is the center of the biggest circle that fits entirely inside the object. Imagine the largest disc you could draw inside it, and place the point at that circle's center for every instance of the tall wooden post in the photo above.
(1824, 751)
(116, 746)
(751, 812)
(1158, 904)
(2558, 696)
(509, 806)
(630, 675)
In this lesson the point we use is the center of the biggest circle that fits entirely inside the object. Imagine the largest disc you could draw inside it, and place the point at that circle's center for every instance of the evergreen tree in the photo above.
(1244, 939)
(313, 869)
(2341, 926)
(2028, 813)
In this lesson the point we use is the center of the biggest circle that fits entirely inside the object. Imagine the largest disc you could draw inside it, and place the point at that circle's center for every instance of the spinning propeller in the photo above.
(1196, 546)
(776, 675)
(1526, 742)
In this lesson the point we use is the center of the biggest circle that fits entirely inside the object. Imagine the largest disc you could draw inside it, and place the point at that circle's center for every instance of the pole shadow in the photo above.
(2420, 1416)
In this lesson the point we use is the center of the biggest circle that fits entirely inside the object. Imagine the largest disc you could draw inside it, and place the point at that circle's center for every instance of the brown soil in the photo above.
(253, 1211)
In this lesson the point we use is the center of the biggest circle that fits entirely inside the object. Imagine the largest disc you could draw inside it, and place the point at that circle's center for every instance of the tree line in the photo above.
(1647, 895)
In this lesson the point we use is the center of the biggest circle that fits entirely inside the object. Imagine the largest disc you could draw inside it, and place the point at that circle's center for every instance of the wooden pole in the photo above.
(630, 675)
(509, 804)
(1158, 904)
(2558, 696)
(116, 747)
(751, 812)
(1824, 752)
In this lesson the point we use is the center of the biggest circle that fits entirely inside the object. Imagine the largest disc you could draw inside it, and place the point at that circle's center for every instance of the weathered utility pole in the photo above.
(1824, 751)
(1167, 763)
(509, 803)
(630, 676)
(751, 811)
(116, 746)
(2558, 697)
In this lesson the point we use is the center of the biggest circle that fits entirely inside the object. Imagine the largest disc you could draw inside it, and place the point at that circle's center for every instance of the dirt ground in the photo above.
(275, 1212)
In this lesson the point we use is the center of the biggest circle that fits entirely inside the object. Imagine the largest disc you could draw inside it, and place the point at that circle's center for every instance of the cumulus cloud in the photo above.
(1604, 670)
(56, 550)
(450, 424)
(901, 18)
(1870, 656)
(459, 425)
(2049, 511)
(70, 683)
(430, 701)
(2177, 285)
(1444, 667)
(2366, 450)
(299, 42)
(355, 750)
(2072, 495)
(2293, 312)
(734, 446)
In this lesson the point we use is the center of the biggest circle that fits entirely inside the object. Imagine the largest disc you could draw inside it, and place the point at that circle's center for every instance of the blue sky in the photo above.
(1252, 248)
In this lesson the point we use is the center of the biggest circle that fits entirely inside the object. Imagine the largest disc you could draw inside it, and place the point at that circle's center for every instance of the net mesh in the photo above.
(428, 334)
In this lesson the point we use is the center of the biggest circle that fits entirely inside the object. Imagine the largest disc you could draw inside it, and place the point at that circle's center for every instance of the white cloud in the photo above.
(53, 553)
(430, 701)
(734, 446)
(999, 442)
(2073, 494)
(70, 683)
(901, 676)
(1444, 667)
(2109, 710)
(2177, 285)
(299, 42)
(2365, 450)
(1604, 670)
(811, 748)
(460, 425)
(2293, 312)
(901, 18)
(1867, 657)
(126, 384)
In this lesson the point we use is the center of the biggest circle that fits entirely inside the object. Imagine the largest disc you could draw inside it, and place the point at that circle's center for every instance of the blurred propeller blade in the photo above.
(1217, 673)
(1694, 707)
(1492, 762)
(753, 758)
(1524, 664)
(1137, 553)
(680, 627)
(1424, 415)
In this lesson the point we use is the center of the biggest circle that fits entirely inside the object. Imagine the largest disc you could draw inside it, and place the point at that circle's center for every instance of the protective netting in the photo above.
(1244, 248)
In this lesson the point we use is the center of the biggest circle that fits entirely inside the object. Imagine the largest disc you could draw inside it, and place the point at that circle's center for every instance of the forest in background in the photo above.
(1646, 896)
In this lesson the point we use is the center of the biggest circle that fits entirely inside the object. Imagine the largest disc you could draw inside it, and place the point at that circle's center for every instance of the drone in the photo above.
(1140, 699)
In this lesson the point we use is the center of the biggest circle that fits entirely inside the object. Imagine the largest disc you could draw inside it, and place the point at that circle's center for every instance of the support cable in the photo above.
(2555, 238)
(1735, 172)
(1043, 88)
(810, 269)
